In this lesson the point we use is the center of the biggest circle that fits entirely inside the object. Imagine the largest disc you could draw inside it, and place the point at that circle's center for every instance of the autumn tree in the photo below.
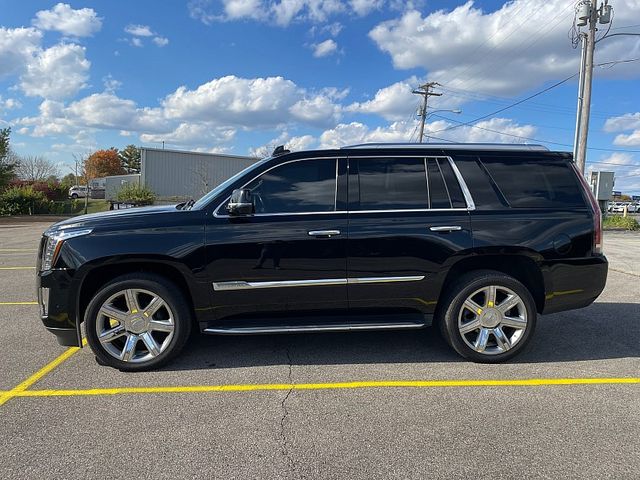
(8, 160)
(130, 159)
(103, 163)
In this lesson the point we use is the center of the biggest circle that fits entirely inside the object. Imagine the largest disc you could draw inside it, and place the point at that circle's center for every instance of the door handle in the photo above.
(324, 233)
(446, 228)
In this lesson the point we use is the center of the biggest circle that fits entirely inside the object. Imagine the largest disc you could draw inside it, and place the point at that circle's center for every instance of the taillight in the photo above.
(597, 213)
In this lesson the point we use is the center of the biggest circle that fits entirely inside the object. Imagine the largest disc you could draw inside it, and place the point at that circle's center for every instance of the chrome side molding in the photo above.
(311, 328)
(242, 285)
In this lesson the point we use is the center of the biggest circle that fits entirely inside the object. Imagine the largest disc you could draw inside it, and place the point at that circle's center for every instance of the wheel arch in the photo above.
(100, 275)
(521, 266)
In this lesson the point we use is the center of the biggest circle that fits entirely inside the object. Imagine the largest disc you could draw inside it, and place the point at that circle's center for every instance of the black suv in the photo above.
(477, 239)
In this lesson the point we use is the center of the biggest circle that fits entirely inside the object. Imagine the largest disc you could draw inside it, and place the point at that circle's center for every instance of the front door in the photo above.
(408, 219)
(290, 255)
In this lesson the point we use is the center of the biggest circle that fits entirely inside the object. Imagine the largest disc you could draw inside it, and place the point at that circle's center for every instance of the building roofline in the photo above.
(191, 152)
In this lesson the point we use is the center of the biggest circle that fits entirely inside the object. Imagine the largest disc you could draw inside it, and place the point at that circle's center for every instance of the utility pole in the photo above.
(425, 91)
(583, 52)
(587, 69)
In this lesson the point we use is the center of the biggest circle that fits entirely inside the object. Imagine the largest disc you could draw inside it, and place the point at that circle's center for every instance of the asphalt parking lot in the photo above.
(343, 406)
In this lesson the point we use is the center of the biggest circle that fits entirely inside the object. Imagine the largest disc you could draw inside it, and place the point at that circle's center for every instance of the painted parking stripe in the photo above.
(18, 303)
(48, 368)
(17, 268)
(532, 382)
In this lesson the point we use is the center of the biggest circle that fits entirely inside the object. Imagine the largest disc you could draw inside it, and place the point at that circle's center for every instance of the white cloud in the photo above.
(111, 84)
(17, 48)
(364, 7)
(628, 121)
(406, 131)
(9, 103)
(631, 140)
(281, 12)
(161, 41)
(324, 49)
(57, 72)
(250, 103)
(192, 134)
(516, 47)
(138, 30)
(211, 113)
(83, 22)
(394, 102)
(625, 168)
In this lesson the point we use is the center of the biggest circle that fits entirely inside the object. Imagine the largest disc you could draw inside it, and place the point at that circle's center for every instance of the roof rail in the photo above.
(453, 146)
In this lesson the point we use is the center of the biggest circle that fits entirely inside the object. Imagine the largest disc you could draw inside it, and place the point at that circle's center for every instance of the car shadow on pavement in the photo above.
(601, 331)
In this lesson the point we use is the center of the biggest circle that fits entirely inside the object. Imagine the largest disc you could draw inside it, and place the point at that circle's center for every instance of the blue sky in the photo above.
(237, 76)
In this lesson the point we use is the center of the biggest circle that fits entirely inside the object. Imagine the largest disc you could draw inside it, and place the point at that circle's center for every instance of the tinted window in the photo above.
(484, 193)
(453, 187)
(304, 186)
(535, 183)
(392, 183)
(437, 188)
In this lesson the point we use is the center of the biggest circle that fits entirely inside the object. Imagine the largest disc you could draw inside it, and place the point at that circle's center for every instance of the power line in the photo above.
(509, 106)
(529, 138)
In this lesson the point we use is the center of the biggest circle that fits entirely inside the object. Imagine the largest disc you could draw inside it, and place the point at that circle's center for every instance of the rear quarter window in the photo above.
(535, 183)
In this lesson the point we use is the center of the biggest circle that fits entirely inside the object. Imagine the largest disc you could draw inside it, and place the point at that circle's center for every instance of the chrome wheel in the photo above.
(135, 325)
(492, 320)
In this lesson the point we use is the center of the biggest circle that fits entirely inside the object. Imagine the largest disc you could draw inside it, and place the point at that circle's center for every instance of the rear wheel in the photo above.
(488, 317)
(137, 322)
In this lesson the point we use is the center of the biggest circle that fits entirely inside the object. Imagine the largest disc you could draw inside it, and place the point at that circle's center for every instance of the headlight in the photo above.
(54, 243)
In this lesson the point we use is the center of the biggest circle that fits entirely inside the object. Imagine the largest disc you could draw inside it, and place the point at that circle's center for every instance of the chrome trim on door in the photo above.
(465, 190)
(356, 281)
(446, 228)
(242, 285)
(323, 233)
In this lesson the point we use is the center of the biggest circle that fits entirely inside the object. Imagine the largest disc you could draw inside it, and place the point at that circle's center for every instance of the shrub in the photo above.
(22, 201)
(136, 194)
(618, 221)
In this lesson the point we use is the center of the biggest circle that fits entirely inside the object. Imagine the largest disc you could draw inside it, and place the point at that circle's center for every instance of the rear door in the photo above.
(408, 220)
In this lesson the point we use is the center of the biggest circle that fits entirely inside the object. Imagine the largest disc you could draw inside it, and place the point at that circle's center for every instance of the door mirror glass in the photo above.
(240, 202)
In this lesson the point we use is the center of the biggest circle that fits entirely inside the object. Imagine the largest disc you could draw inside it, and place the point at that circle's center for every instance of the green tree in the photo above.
(130, 158)
(8, 160)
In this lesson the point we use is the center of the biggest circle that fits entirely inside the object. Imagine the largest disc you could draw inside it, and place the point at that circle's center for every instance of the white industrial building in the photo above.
(176, 175)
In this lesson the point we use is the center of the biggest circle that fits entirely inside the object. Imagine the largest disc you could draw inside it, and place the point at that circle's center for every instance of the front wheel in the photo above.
(137, 322)
(488, 317)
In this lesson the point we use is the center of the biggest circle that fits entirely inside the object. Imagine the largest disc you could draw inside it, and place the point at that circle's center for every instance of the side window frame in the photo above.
(354, 184)
(218, 214)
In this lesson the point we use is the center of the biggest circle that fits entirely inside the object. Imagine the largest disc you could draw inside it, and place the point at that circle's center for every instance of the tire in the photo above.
(74, 196)
(148, 322)
(483, 330)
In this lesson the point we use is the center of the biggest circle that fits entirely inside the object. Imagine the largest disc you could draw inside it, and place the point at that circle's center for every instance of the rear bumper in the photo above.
(574, 283)
(56, 299)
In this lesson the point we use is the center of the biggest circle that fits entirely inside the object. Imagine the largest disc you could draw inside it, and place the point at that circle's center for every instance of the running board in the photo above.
(312, 328)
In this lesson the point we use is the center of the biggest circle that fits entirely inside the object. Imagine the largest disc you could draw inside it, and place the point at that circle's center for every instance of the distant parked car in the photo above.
(78, 191)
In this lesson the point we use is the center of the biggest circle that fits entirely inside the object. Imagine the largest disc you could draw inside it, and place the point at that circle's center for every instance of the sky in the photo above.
(241, 76)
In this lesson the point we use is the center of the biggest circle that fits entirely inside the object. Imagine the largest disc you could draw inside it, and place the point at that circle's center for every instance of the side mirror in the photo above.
(240, 202)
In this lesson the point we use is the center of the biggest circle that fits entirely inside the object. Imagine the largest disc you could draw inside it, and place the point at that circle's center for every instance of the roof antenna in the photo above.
(280, 150)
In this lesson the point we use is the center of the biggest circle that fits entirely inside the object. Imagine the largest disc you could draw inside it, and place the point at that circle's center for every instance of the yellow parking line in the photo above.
(17, 268)
(532, 382)
(18, 303)
(22, 387)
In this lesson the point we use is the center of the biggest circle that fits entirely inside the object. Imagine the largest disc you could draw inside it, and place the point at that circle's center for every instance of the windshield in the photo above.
(213, 193)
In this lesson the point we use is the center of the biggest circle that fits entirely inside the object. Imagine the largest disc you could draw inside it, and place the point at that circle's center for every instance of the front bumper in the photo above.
(575, 283)
(57, 302)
